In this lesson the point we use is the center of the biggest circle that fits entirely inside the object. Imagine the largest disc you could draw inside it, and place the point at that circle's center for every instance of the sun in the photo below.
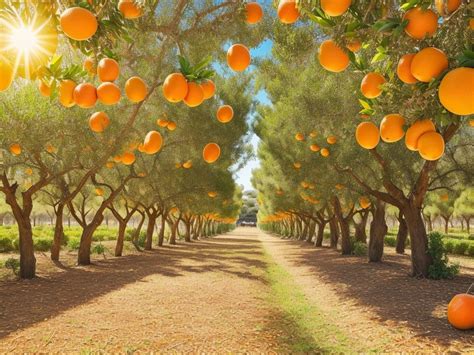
(27, 44)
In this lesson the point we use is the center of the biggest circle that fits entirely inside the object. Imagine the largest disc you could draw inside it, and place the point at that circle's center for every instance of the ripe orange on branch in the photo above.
(78, 23)
(225, 113)
(367, 135)
(404, 69)
(44, 89)
(195, 95)
(331, 139)
(421, 23)
(15, 149)
(287, 11)
(152, 143)
(66, 91)
(99, 121)
(299, 137)
(128, 158)
(238, 57)
(208, 88)
(108, 93)
(428, 64)
(211, 152)
(446, 7)
(136, 89)
(416, 130)
(85, 95)
(6, 75)
(456, 91)
(335, 7)
(129, 9)
(254, 13)
(175, 87)
(371, 85)
(325, 152)
(108, 69)
(332, 57)
(354, 45)
(391, 128)
(431, 145)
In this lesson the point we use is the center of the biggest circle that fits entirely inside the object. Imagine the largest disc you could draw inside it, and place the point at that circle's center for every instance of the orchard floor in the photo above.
(216, 295)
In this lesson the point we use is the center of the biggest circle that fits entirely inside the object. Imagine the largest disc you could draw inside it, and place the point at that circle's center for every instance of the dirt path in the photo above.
(204, 296)
(377, 305)
(213, 296)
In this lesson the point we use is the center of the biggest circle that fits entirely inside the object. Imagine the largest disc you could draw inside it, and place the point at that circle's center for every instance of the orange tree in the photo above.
(434, 83)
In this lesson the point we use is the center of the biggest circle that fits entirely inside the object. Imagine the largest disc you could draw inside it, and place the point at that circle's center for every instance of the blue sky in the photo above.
(244, 175)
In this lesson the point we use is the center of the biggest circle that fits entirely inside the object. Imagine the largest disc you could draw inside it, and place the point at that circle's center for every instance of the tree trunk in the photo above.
(311, 231)
(58, 232)
(468, 224)
(360, 233)
(161, 236)
(149, 230)
(174, 230)
(120, 237)
(187, 236)
(84, 255)
(430, 223)
(334, 230)
(319, 238)
(446, 224)
(378, 230)
(402, 234)
(136, 232)
(419, 240)
(346, 245)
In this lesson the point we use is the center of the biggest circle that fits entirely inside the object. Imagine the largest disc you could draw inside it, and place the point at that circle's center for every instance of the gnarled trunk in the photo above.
(311, 231)
(402, 234)
(149, 230)
(319, 238)
(161, 236)
(120, 237)
(378, 230)
(58, 232)
(334, 232)
(360, 233)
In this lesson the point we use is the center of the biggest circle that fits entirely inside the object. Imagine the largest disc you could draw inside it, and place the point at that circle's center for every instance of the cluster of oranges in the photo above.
(176, 88)
(455, 92)
(300, 137)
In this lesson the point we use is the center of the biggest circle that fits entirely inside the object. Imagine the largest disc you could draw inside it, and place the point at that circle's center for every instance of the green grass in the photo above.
(307, 329)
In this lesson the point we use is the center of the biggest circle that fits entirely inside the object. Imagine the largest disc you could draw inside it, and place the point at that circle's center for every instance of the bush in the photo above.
(359, 249)
(460, 248)
(99, 249)
(73, 243)
(390, 241)
(13, 264)
(6, 245)
(471, 237)
(42, 244)
(470, 250)
(449, 246)
(440, 268)
(16, 244)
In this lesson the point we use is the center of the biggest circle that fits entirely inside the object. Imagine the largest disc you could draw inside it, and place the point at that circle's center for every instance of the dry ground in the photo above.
(212, 296)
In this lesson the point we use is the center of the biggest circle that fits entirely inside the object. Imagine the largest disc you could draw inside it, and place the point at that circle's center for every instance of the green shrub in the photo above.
(359, 249)
(449, 246)
(73, 243)
(440, 268)
(13, 264)
(470, 250)
(471, 237)
(6, 245)
(99, 249)
(42, 244)
(16, 244)
(390, 241)
(460, 248)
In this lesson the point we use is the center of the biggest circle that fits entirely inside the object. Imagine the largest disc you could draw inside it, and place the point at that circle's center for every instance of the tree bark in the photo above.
(319, 238)
(334, 230)
(161, 236)
(58, 232)
(311, 231)
(136, 232)
(378, 230)
(149, 230)
(120, 237)
(402, 234)
(360, 232)
(346, 245)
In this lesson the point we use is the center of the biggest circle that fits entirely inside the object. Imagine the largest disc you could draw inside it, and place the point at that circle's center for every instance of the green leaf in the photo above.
(364, 104)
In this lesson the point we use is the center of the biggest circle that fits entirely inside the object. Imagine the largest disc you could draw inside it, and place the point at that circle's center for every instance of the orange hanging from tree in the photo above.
(211, 152)
(238, 57)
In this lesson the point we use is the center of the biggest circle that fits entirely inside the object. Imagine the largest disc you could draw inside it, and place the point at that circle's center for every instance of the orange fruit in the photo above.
(78, 23)
(456, 91)
(446, 7)
(335, 7)
(211, 152)
(325, 152)
(89, 66)
(175, 87)
(225, 113)
(428, 64)
(331, 140)
(171, 126)
(297, 165)
(129, 9)
(209, 88)
(332, 57)
(108, 69)
(367, 135)
(162, 122)
(44, 89)
(136, 89)
(15, 149)
(99, 121)
(299, 137)
(110, 164)
(99, 191)
(471, 23)
(431, 145)
(29, 171)
(195, 95)
(108, 93)
(416, 130)
(6, 75)
(371, 85)
(238, 57)
(188, 164)
(471, 123)
(85, 95)
(404, 69)
(66, 92)
(128, 158)
(391, 128)
(50, 148)
(253, 13)
(152, 143)
(212, 194)
(314, 147)
(364, 202)
(354, 46)
(313, 134)
(117, 159)
(287, 11)
(421, 23)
